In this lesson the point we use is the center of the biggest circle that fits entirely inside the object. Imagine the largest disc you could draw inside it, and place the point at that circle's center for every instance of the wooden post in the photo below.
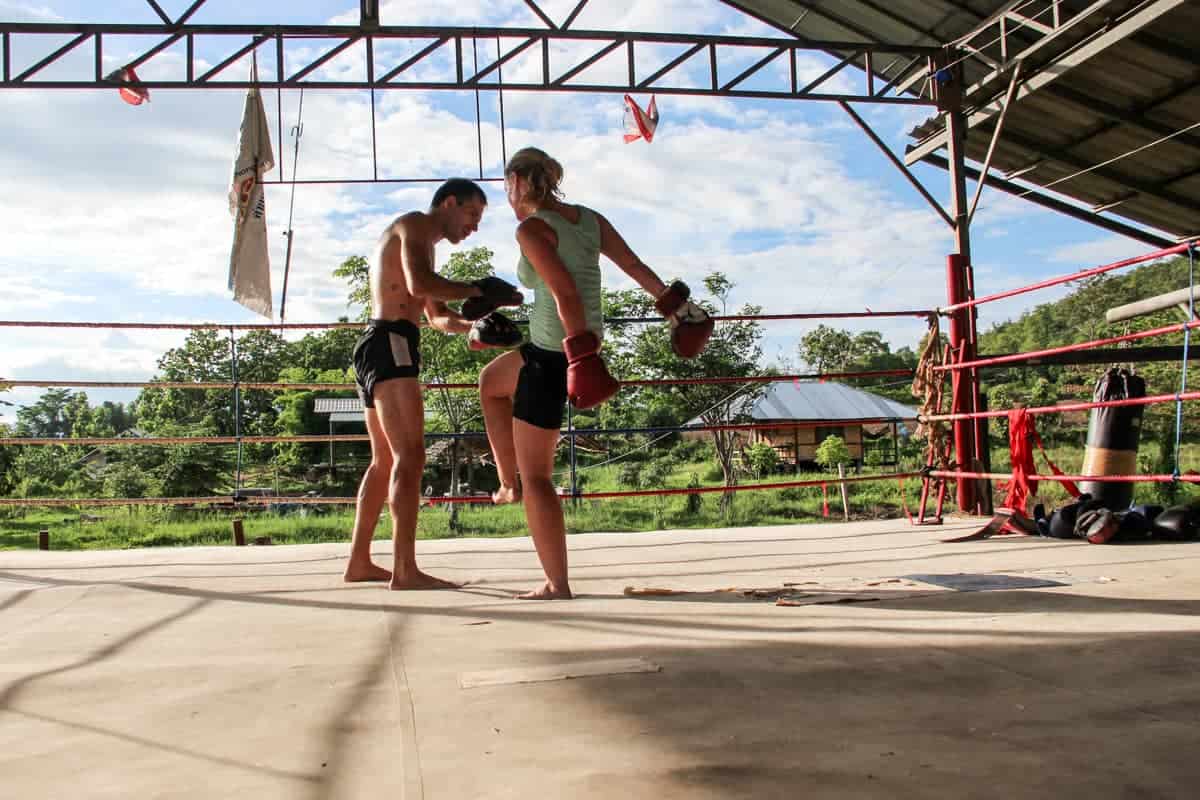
(239, 534)
(44, 539)
(845, 497)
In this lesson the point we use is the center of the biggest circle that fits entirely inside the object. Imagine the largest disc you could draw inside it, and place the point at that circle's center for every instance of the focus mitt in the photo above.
(494, 330)
(494, 293)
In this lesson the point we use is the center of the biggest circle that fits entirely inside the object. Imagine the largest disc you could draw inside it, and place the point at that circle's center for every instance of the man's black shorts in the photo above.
(387, 349)
(541, 387)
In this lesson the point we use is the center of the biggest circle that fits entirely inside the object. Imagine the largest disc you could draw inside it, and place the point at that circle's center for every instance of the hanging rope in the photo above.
(297, 131)
(478, 117)
(500, 92)
(929, 385)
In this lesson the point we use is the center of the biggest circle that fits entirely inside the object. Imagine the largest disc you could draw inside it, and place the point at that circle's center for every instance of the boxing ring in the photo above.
(939, 471)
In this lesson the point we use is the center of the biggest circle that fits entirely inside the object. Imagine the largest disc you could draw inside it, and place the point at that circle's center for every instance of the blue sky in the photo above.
(116, 213)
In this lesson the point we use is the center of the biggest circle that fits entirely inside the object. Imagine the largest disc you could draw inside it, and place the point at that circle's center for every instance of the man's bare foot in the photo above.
(419, 580)
(548, 592)
(505, 495)
(365, 572)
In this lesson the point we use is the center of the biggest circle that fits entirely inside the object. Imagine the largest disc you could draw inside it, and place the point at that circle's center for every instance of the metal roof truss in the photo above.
(645, 70)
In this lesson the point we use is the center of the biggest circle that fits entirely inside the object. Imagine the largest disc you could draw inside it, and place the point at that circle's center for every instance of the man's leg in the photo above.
(401, 410)
(543, 510)
(372, 493)
(497, 382)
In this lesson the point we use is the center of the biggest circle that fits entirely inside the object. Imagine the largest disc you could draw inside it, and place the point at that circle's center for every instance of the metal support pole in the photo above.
(960, 383)
(237, 409)
(571, 435)
(960, 282)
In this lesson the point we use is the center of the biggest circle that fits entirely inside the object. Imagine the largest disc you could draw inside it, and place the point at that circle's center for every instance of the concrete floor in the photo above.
(254, 672)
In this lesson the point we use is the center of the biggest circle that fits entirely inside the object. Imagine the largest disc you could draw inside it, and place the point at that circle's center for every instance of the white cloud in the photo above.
(26, 12)
(1097, 252)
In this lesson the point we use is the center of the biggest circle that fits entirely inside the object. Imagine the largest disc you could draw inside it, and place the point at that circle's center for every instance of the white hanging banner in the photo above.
(249, 262)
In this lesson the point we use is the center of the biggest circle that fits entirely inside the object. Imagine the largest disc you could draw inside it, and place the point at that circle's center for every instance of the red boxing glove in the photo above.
(588, 381)
(690, 324)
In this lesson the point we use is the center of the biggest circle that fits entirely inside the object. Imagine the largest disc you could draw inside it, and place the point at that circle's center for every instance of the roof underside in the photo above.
(1122, 75)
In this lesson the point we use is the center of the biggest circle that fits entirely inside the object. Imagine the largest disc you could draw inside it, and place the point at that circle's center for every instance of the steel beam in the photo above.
(668, 79)
(916, 183)
(1136, 115)
(1054, 204)
(1053, 71)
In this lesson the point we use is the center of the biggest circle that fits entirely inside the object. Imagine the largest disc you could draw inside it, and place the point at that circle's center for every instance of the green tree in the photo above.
(762, 459)
(355, 270)
(204, 357)
(644, 351)
(8, 454)
(125, 479)
(831, 452)
(324, 350)
(827, 349)
(296, 417)
(50, 416)
(185, 470)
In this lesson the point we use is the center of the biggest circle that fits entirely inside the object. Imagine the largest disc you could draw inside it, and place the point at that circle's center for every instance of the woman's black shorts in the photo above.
(541, 387)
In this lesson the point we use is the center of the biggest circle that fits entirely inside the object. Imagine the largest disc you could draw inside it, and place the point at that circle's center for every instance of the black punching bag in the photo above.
(1112, 439)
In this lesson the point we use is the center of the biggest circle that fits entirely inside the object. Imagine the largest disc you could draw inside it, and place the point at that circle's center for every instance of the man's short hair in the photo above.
(461, 189)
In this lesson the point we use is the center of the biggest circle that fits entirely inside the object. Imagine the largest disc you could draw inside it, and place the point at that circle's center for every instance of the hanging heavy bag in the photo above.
(1112, 440)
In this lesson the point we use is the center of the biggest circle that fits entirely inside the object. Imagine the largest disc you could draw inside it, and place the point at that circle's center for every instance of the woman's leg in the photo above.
(497, 382)
(543, 510)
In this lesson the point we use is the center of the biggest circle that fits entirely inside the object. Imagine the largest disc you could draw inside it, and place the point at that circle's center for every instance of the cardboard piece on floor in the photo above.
(557, 672)
(969, 582)
(845, 598)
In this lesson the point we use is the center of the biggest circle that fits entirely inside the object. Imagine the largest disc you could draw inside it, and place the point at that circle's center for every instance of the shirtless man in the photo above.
(387, 367)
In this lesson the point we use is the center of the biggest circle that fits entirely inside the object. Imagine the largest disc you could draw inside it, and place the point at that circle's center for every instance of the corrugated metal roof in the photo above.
(835, 402)
(1099, 100)
(330, 405)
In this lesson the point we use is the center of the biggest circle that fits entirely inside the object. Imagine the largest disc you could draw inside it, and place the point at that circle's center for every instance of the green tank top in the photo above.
(579, 249)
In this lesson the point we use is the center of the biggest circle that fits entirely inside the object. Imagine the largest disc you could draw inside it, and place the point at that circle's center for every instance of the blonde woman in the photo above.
(523, 391)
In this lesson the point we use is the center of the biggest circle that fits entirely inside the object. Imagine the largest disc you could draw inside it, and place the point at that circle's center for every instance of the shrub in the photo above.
(695, 502)
(832, 451)
(762, 459)
(630, 474)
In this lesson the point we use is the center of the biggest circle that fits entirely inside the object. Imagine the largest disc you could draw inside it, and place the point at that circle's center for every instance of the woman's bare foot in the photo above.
(419, 580)
(365, 572)
(505, 495)
(548, 592)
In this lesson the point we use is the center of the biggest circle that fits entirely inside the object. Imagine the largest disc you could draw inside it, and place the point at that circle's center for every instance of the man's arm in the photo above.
(443, 318)
(410, 253)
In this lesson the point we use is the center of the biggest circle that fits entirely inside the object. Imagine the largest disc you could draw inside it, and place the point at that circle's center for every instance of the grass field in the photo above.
(118, 528)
